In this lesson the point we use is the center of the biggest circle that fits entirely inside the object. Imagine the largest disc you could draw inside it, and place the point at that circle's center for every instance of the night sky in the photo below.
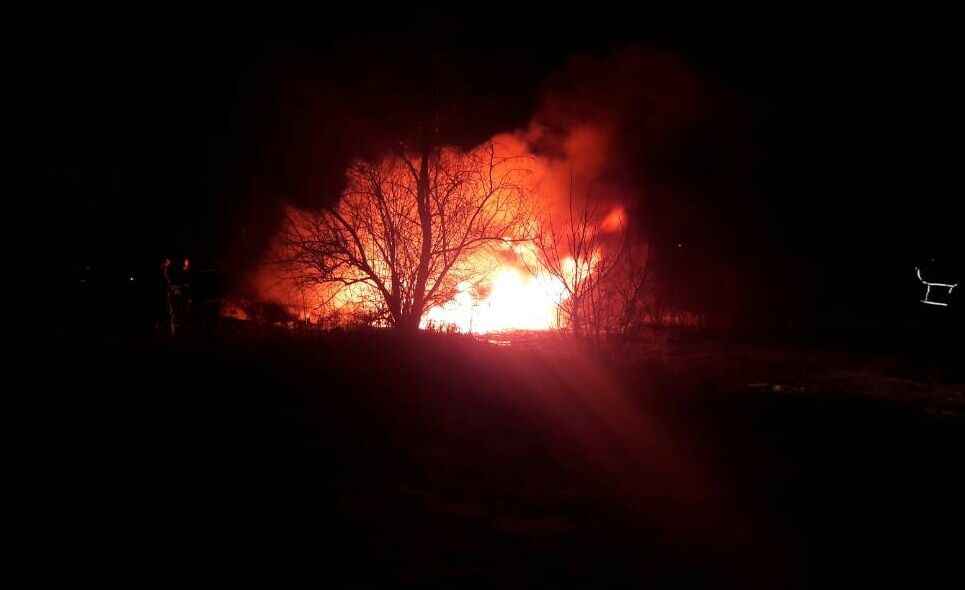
(181, 133)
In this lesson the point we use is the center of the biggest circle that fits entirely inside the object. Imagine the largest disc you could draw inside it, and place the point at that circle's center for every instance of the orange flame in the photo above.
(517, 293)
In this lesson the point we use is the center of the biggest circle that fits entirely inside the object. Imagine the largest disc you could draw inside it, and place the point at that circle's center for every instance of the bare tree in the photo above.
(602, 267)
(407, 230)
(632, 286)
(581, 258)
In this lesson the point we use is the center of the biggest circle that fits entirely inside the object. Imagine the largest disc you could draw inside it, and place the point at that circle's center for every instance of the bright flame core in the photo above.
(516, 301)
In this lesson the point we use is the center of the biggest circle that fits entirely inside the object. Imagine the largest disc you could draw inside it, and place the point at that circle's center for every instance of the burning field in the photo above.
(536, 229)
(489, 239)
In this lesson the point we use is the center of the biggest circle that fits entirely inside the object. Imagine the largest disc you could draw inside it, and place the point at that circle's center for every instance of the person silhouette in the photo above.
(163, 308)
(181, 289)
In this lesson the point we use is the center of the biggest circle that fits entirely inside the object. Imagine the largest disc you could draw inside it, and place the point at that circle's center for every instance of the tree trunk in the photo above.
(425, 221)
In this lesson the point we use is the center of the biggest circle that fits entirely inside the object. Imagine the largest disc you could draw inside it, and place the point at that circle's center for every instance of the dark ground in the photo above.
(362, 460)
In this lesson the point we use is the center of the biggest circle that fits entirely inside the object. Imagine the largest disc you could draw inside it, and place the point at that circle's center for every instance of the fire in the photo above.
(360, 265)
(519, 294)
(516, 300)
(514, 292)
